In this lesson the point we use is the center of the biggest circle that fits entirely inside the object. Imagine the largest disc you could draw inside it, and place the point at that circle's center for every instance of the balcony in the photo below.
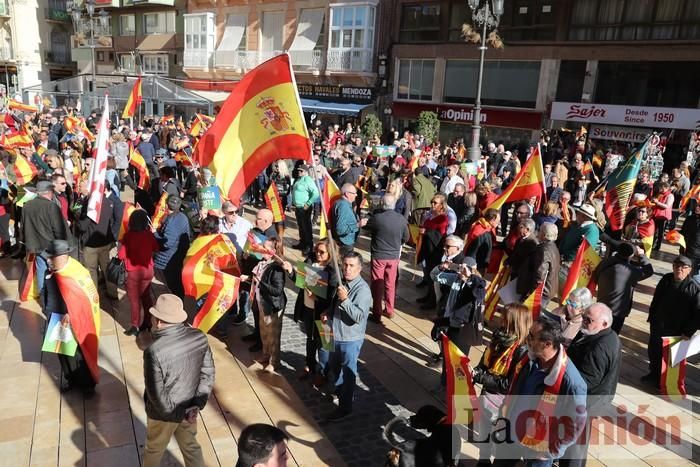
(307, 59)
(196, 58)
(357, 60)
(242, 60)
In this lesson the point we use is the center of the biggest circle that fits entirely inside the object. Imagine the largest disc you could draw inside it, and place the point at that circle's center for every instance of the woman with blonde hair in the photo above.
(53, 161)
(469, 214)
(404, 200)
(550, 213)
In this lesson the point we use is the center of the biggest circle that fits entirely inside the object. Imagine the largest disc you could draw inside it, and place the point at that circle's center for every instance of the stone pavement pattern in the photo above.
(40, 426)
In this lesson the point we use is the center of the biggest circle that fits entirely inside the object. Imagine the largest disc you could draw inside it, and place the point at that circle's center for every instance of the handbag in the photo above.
(116, 272)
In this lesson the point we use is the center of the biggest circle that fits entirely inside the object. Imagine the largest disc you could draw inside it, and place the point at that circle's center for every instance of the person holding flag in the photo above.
(585, 227)
(304, 195)
(541, 266)
(173, 235)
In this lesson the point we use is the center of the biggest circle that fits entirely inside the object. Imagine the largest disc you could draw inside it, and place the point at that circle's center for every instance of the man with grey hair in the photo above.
(525, 245)
(388, 230)
(445, 273)
(541, 266)
(451, 179)
(344, 224)
(570, 314)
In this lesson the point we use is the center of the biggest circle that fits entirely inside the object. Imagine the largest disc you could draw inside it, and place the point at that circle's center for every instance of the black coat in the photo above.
(691, 233)
(43, 222)
(498, 384)
(542, 265)
(321, 305)
(617, 278)
(270, 290)
(523, 249)
(480, 249)
(675, 308)
(597, 358)
(97, 235)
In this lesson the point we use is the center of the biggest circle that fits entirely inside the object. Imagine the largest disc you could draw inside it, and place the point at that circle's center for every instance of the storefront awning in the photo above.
(334, 108)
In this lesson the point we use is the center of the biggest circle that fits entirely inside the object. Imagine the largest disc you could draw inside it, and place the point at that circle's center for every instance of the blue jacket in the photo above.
(174, 239)
(349, 317)
(344, 222)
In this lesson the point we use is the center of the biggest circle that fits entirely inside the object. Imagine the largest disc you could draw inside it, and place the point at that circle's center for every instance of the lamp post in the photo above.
(486, 16)
(77, 14)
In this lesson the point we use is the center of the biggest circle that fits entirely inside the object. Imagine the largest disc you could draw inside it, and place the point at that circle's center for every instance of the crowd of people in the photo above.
(425, 197)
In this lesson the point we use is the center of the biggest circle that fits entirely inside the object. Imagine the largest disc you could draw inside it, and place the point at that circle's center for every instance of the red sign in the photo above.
(507, 118)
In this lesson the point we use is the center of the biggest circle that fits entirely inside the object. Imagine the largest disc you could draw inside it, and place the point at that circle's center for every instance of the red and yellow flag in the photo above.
(260, 122)
(528, 183)
(672, 377)
(206, 254)
(330, 194)
(83, 305)
(534, 301)
(675, 237)
(693, 193)
(587, 168)
(16, 105)
(161, 211)
(498, 281)
(134, 101)
(24, 170)
(28, 284)
(129, 208)
(222, 295)
(581, 270)
(463, 406)
(137, 161)
(17, 139)
(274, 203)
(183, 159)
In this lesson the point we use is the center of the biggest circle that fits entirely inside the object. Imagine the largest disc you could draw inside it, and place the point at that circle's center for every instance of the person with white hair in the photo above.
(445, 273)
(451, 179)
(344, 224)
(541, 266)
(570, 314)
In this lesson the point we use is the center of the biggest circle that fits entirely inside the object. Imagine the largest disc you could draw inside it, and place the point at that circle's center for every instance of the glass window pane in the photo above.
(584, 12)
(610, 11)
(404, 69)
(426, 85)
(335, 16)
(195, 41)
(414, 80)
(347, 37)
(347, 16)
(359, 36)
(360, 13)
(370, 21)
(335, 39)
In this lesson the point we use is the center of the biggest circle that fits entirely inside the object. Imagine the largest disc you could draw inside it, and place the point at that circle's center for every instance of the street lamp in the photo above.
(486, 16)
(77, 14)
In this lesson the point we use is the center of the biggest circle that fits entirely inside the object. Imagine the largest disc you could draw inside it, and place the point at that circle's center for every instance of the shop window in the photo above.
(415, 80)
(420, 23)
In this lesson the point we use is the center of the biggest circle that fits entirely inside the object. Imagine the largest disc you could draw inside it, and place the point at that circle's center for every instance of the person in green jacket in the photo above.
(304, 195)
(423, 191)
(585, 227)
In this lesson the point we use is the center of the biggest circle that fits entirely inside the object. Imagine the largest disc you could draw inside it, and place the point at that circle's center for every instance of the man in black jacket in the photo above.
(596, 353)
(179, 376)
(388, 230)
(617, 276)
(541, 266)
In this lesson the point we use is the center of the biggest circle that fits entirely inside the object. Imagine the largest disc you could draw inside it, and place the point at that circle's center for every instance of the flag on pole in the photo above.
(528, 183)
(499, 280)
(161, 211)
(313, 279)
(330, 194)
(620, 185)
(587, 168)
(134, 101)
(254, 245)
(137, 161)
(260, 120)
(463, 406)
(675, 237)
(98, 171)
(672, 377)
(16, 105)
(206, 254)
(129, 208)
(17, 139)
(274, 203)
(693, 193)
(28, 284)
(83, 305)
(220, 297)
(581, 270)
(534, 301)
(24, 170)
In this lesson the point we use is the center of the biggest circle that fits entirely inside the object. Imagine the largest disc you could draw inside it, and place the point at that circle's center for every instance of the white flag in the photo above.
(98, 171)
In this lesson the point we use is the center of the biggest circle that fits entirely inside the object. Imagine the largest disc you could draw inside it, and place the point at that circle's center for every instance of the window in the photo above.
(157, 64)
(420, 23)
(416, 80)
(199, 40)
(528, 20)
(100, 56)
(159, 23)
(459, 14)
(127, 63)
(127, 25)
(572, 73)
(505, 83)
(111, 56)
(351, 38)
(271, 31)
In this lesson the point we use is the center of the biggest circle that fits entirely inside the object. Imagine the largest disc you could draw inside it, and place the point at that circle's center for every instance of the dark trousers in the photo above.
(313, 343)
(659, 232)
(256, 319)
(654, 349)
(171, 276)
(618, 322)
(305, 230)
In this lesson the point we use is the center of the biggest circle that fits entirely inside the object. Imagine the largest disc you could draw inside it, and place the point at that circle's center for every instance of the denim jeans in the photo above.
(42, 268)
(343, 361)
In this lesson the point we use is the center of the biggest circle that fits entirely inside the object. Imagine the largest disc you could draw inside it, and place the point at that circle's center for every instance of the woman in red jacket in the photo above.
(663, 210)
(136, 250)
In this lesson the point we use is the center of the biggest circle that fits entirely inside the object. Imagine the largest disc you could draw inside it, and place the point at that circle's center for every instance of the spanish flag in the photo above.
(222, 294)
(587, 168)
(330, 194)
(24, 170)
(207, 252)
(83, 304)
(463, 406)
(129, 208)
(581, 270)
(260, 122)
(137, 161)
(534, 301)
(693, 193)
(274, 203)
(498, 281)
(672, 377)
(134, 101)
(17, 139)
(28, 284)
(529, 182)
(161, 211)
(675, 237)
(15, 105)
(183, 159)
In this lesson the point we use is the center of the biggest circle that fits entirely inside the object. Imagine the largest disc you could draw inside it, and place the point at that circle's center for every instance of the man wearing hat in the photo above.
(174, 238)
(304, 195)
(179, 376)
(674, 311)
(585, 227)
(42, 222)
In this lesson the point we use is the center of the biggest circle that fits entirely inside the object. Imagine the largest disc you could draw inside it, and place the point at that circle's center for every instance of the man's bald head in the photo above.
(263, 219)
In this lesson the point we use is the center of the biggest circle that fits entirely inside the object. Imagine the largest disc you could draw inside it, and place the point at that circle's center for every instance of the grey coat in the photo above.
(350, 316)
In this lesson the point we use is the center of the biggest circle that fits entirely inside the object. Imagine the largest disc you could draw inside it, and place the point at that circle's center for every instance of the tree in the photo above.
(371, 126)
(429, 125)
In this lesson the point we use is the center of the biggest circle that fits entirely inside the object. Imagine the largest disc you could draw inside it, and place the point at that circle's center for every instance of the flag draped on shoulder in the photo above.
(581, 271)
(137, 161)
(672, 377)
(134, 101)
(620, 185)
(462, 403)
(28, 284)
(260, 122)
(98, 171)
(274, 203)
(83, 305)
(528, 183)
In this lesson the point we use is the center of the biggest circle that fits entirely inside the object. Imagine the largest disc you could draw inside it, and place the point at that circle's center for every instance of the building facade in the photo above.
(639, 53)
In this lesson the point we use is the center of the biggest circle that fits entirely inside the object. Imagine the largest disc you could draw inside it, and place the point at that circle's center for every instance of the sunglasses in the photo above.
(230, 212)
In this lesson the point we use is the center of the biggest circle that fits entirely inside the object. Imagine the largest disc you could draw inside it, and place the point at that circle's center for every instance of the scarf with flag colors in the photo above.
(274, 203)
(534, 301)
(137, 161)
(161, 211)
(28, 284)
(83, 304)
(620, 185)
(24, 170)
(261, 119)
(498, 363)
(528, 183)
(129, 208)
(98, 171)
(672, 377)
(581, 270)
(134, 101)
(675, 237)
(312, 278)
(693, 193)
(498, 281)
(254, 245)
(463, 406)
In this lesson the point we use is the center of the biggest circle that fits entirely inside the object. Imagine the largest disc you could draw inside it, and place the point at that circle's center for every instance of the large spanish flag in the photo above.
(222, 294)
(206, 254)
(620, 185)
(17, 139)
(672, 377)
(137, 161)
(83, 305)
(24, 170)
(260, 122)
(274, 203)
(463, 406)
(134, 101)
(581, 270)
(528, 183)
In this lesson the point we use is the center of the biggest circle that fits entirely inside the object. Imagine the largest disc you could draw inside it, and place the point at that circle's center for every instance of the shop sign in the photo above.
(654, 117)
(350, 94)
(619, 133)
(505, 118)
